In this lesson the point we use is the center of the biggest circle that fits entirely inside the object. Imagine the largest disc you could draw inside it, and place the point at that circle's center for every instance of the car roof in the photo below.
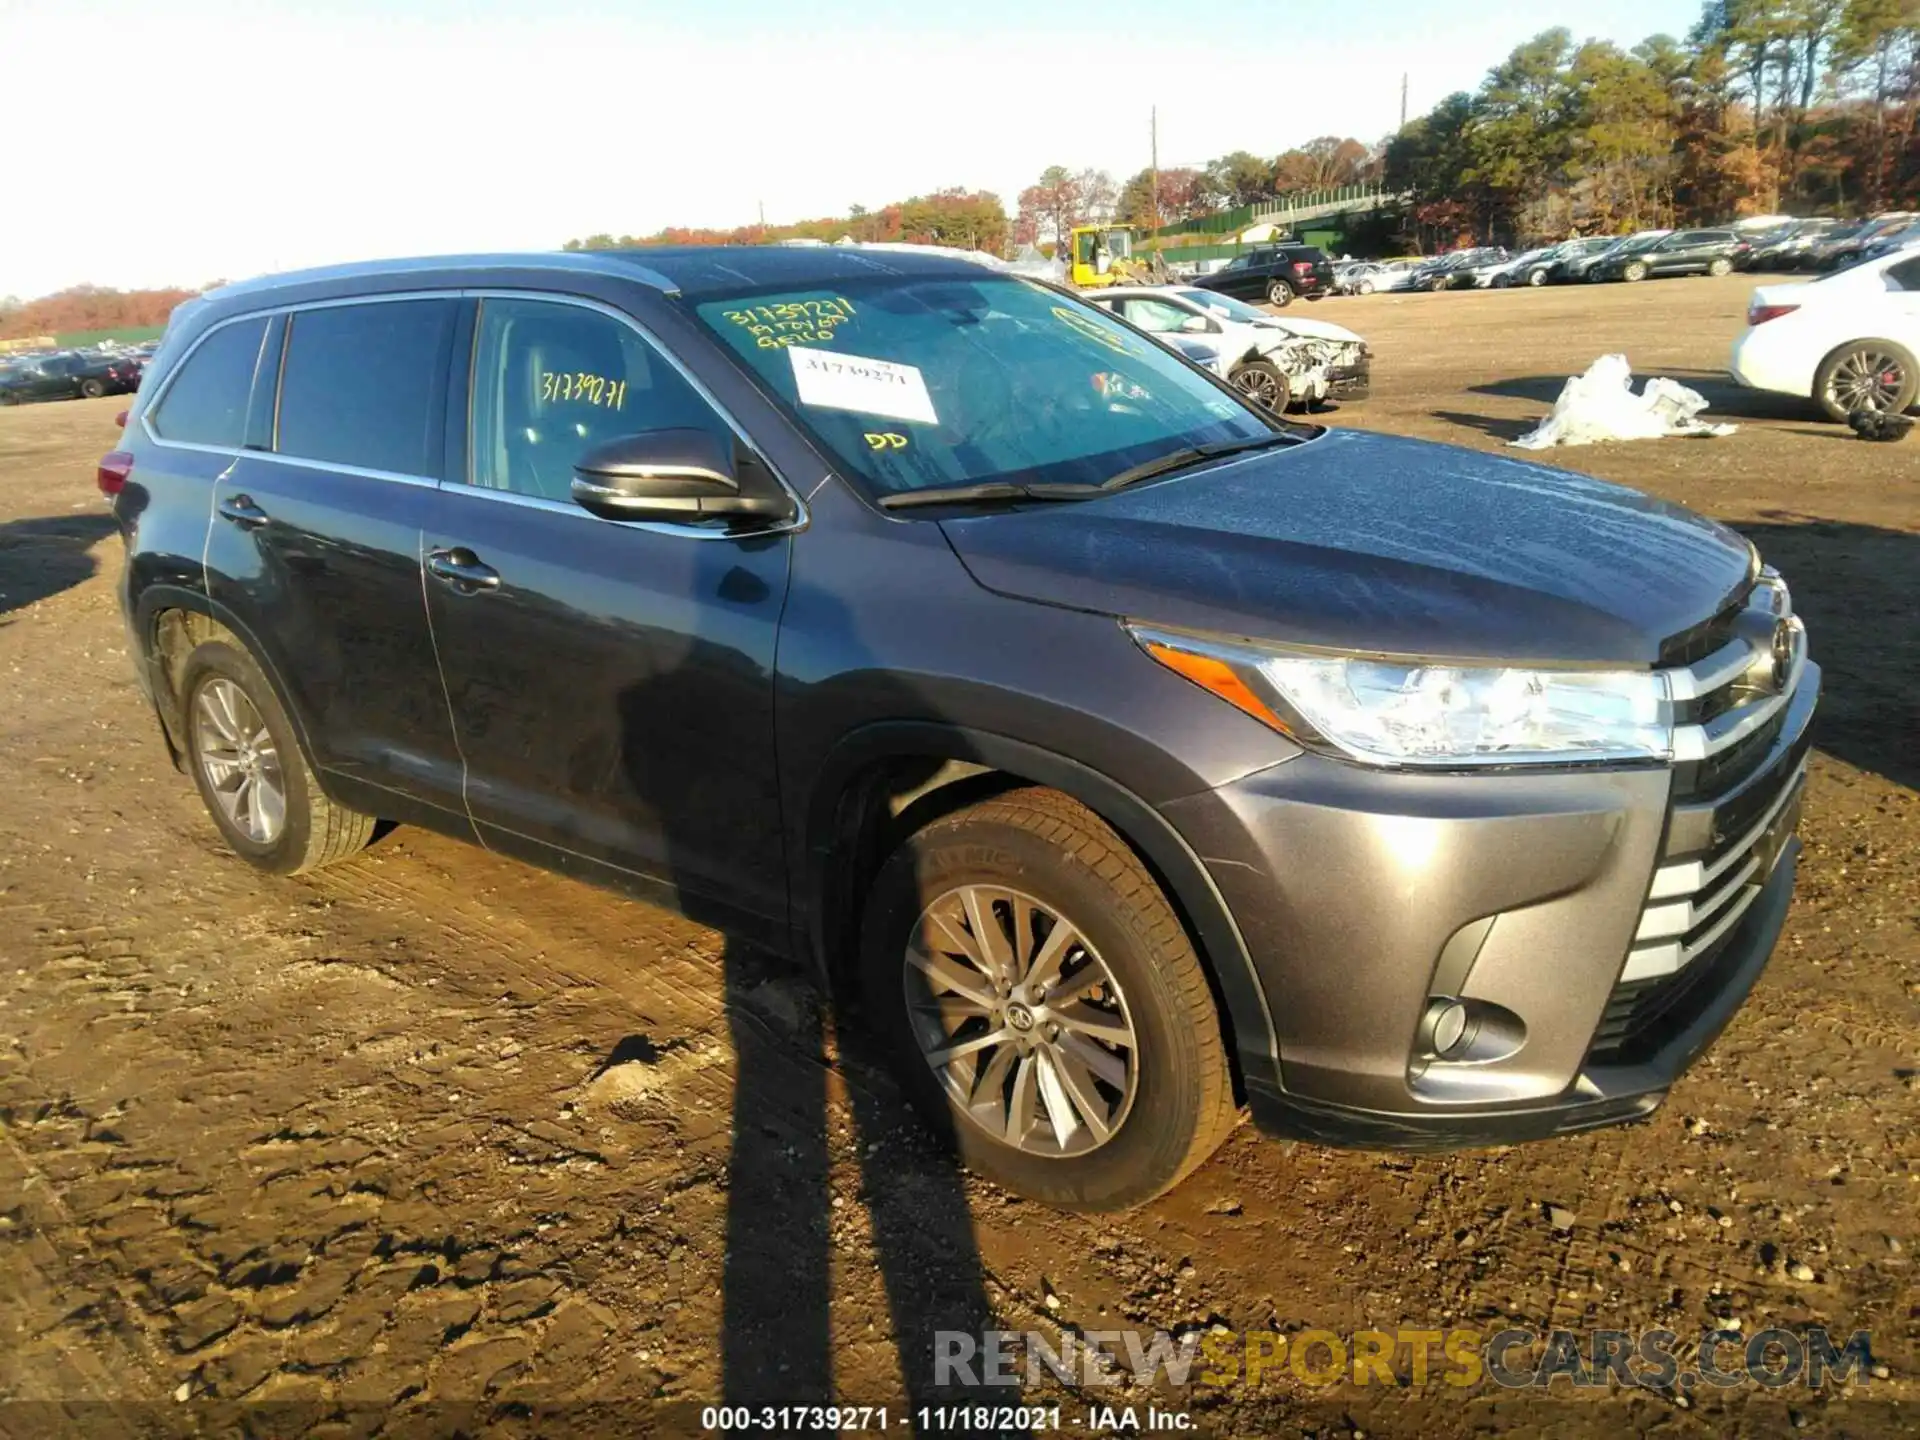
(691, 270)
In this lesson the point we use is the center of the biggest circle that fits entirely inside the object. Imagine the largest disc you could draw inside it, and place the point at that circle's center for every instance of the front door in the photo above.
(611, 682)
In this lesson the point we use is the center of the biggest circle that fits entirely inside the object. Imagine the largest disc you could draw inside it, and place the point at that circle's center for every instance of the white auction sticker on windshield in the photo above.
(854, 382)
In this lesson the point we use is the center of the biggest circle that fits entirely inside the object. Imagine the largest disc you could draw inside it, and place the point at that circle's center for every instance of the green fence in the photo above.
(123, 334)
(1241, 216)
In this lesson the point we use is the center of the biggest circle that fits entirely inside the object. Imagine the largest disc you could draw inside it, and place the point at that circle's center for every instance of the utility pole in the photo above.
(1153, 133)
(1403, 99)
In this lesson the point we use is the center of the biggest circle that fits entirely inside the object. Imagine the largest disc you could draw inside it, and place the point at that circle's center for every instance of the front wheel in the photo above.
(247, 763)
(1365, 287)
(1279, 294)
(1867, 375)
(1536, 277)
(92, 389)
(1044, 1006)
(1635, 271)
(1264, 382)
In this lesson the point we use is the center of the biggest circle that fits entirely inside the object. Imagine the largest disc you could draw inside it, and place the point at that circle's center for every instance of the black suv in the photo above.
(1685, 252)
(1132, 753)
(68, 376)
(1274, 273)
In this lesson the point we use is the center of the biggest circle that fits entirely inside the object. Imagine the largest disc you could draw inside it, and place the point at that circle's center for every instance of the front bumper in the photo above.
(1350, 382)
(1363, 895)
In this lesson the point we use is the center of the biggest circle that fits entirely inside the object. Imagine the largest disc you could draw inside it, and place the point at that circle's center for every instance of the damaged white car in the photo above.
(1279, 361)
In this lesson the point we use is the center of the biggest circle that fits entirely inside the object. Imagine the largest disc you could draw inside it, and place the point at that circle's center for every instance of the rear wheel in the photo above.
(1279, 293)
(246, 761)
(1365, 287)
(92, 389)
(1044, 1006)
(1867, 375)
(1720, 266)
(1265, 382)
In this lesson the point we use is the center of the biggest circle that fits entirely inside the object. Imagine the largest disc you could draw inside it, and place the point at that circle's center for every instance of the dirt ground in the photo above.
(433, 1139)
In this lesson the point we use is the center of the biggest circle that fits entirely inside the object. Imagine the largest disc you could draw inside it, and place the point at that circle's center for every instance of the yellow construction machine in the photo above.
(1102, 255)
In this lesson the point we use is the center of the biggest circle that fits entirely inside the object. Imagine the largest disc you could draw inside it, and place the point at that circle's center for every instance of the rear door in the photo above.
(315, 543)
(611, 682)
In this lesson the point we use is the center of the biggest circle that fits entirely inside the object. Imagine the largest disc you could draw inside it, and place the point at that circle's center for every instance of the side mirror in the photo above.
(664, 475)
(1197, 325)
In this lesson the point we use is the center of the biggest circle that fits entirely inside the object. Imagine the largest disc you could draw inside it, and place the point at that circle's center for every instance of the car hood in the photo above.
(1378, 544)
(1305, 328)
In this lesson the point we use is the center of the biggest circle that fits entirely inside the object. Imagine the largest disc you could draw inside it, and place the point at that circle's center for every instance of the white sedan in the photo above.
(1847, 340)
(1277, 361)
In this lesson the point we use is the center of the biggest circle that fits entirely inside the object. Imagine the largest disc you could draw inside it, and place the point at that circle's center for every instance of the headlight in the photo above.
(1414, 713)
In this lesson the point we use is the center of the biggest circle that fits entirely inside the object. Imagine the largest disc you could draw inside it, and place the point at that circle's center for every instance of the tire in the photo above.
(312, 831)
(1039, 855)
(1265, 383)
(91, 388)
(1279, 294)
(1636, 271)
(1537, 277)
(1719, 266)
(1839, 382)
(1365, 287)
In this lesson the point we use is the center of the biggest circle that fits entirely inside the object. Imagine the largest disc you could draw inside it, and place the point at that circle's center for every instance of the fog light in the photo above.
(1443, 1029)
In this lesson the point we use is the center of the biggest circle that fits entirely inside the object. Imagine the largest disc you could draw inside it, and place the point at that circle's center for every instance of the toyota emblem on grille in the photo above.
(1782, 655)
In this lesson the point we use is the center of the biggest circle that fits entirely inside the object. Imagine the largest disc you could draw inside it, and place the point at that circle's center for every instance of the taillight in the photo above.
(1760, 314)
(1303, 267)
(121, 419)
(115, 467)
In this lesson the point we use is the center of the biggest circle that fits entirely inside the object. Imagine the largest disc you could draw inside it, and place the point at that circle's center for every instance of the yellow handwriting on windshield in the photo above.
(793, 322)
(886, 440)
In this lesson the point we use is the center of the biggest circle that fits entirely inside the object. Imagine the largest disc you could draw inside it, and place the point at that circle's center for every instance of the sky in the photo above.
(194, 140)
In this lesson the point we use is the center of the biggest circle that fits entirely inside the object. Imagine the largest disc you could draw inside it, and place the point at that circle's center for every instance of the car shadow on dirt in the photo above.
(47, 554)
(1858, 588)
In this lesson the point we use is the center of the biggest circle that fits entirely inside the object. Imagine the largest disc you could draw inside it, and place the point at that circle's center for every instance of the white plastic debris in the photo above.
(1601, 405)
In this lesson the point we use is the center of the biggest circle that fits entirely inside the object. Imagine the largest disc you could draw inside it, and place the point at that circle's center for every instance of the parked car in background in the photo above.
(1819, 255)
(1128, 752)
(1865, 240)
(1573, 258)
(1681, 252)
(1520, 269)
(1369, 276)
(1848, 340)
(1278, 360)
(1274, 273)
(1905, 238)
(69, 376)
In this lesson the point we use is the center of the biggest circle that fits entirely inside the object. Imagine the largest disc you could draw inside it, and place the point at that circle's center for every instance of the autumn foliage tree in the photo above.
(88, 307)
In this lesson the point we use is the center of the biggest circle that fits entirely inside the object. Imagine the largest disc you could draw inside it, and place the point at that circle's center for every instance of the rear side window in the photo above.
(364, 385)
(1905, 275)
(206, 402)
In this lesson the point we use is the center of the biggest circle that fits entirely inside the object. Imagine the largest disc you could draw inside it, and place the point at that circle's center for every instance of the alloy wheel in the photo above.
(1866, 379)
(1259, 384)
(1021, 1021)
(241, 763)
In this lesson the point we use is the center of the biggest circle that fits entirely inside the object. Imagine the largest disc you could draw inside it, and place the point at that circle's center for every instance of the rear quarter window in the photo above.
(365, 385)
(206, 402)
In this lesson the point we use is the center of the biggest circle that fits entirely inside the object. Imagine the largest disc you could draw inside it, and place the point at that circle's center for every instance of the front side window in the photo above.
(920, 381)
(1905, 275)
(551, 381)
(206, 402)
(364, 385)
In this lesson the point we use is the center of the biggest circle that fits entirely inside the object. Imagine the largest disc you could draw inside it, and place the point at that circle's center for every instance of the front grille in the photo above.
(1736, 800)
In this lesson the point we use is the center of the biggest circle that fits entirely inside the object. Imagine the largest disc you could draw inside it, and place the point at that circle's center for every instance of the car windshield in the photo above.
(934, 381)
(1222, 304)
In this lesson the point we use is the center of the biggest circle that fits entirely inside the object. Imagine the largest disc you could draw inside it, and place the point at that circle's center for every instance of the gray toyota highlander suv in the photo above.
(1129, 755)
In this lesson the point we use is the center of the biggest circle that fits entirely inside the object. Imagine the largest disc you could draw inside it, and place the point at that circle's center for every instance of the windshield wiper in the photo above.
(1193, 455)
(988, 490)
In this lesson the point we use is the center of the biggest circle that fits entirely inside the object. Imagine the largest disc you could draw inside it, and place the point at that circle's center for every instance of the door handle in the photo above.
(242, 511)
(461, 569)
